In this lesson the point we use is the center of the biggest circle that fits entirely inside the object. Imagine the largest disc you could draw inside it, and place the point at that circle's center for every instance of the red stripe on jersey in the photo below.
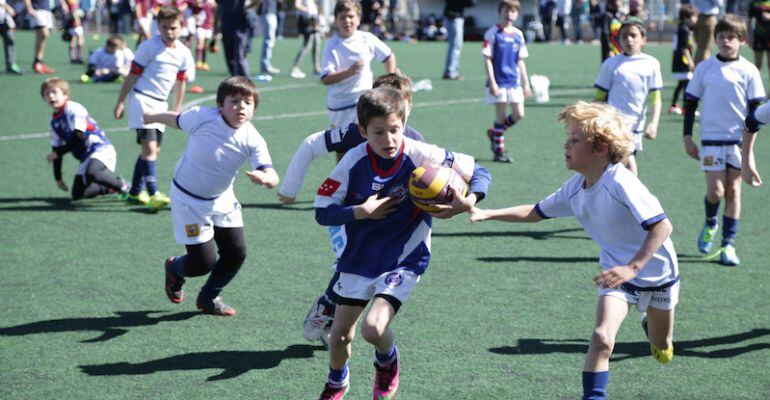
(136, 69)
(379, 171)
(328, 187)
(486, 44)
(181, 76)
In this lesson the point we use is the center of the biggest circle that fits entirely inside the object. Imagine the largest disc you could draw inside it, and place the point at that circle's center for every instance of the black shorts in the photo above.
(306, 26)
(761, 41)
(149, 135)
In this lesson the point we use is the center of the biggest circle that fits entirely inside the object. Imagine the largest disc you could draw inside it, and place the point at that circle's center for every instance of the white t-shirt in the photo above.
(162, 66)
(102, 59)
(615, 213)
(628, 80)
(340, 54)
(215, 151)
(724, 89)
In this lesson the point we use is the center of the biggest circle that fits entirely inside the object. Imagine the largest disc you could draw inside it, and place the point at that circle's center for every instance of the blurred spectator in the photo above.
(454, 21)
(563, 10)
(281, 15)
(576, 15)
(308, 18)
(595, 10)
(267, 11)
(430, 28)
(704, 28)
(120, 16)
(235, 29)
(546, 17)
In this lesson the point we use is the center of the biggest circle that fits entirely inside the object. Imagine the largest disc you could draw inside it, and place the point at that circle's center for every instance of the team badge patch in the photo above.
(328, 187)
(708, 161)
(193, 230)
(394, 279)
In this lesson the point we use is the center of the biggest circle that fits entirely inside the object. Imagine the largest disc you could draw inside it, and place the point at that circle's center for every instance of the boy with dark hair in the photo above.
(205, 212)
(368, 193)
(682, 65)
(731, 89)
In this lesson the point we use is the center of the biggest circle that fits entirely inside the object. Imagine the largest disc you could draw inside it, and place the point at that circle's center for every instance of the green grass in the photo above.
(504, 311)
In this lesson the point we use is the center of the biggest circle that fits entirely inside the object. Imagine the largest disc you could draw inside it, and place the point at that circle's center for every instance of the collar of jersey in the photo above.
(60, 111)
(502, 30)
(379, 171)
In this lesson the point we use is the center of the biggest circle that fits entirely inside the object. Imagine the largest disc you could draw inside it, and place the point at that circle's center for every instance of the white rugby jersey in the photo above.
(339, 54)
(102, 59)
(214, 153)
(616, 213)
(159, 67)
(724, 90)
(628, 80)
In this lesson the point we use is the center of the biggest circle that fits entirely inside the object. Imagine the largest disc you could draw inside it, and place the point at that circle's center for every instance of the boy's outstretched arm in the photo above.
(656, 235)
(179, 88)
(334, 77)
(312, 147)
(390, 64)
(128, 84)
(656, 103)
(523, 213)
(168, 118)
(749, 171)
(478, 187)
(267, 177)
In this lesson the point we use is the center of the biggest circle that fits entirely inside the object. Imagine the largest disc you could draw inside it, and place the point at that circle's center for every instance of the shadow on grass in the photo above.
(98, 204)
(232, 363)
(540, 259)
(536, 235)
(625, 351)
(111, 327)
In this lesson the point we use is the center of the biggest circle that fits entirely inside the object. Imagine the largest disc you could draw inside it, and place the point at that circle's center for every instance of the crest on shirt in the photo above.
(328, 187)
(193, 230)
(394, 279)
(708, 161)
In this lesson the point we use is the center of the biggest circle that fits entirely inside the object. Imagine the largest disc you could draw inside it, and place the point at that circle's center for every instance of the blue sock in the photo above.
(595, 385)
(711, 212)
(150, 176)
(337, 376)
(509, 121)
(178, 267)
(729, 230)
(219, 278)
(386, 359)
(138, 180)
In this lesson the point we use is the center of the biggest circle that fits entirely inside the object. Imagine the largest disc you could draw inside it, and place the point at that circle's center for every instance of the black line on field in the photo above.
(232, 363)
(99, 204)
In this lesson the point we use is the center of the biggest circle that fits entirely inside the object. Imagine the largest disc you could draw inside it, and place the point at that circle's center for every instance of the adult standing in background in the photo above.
(307, 24)
(454, 21)
(268, 14)
(704, 28)
(563, 10)
(546, 17)
(235, 35)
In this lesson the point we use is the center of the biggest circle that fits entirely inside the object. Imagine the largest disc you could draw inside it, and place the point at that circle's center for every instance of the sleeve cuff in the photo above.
(652, 221)
(540, 212)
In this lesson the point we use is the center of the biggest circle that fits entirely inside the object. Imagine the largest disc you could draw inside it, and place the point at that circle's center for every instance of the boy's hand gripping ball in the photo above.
(430, 185)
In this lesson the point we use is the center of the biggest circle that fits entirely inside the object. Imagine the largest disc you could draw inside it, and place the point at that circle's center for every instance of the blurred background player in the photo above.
(759, 12)
(161, 64)
(368, 193)
(346, 69)
(682, 65)
(7, 27)
(109, 63)
(504, 52)
(42, 21)
(638, 262)
(74, 27)
(308, 21)
(74, 131)
(143, 16)
(612, 20)
(203, 11)
(629, 81)
(205, 212)
(730, 88)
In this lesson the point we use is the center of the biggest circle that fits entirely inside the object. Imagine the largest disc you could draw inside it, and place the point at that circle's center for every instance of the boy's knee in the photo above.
(201, 265)
(339, 339)
(602, 341)
(235, 255)
(371, 331)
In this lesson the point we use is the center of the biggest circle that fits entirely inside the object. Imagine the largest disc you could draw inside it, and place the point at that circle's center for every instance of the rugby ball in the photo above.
(430, 185)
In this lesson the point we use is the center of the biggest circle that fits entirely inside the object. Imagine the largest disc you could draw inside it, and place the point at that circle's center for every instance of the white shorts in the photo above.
(506, 95)
(398, 283)
(664, 299)
(190, 24)
(717, 158)
(638, 138)
(42, 19)
(204, 33)
(681, 76)
(144, 24)
(76, 31)
(106, 154)
(342, 118)
(194, 219)
(137, 104)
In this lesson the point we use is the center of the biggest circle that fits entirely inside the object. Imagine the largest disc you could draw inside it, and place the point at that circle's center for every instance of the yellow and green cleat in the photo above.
(157, 201)
(141, 199)
(662, 356)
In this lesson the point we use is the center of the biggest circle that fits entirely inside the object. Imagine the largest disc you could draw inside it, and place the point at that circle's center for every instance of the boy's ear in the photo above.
(362, 130)
(602, 148)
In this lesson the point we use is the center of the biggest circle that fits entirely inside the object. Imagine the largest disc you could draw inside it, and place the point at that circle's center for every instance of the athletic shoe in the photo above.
(675, 110)
(318, 319)
(271, 70)
(158, 201)
(14, 69)
(457, 77)
(705, 238)
(214, 306)
(213, 46)
(39, 68)
(196, 89)
(174, 283)
(503, 158)
(141, 199)
(728, 257)
(296, 73)
(333, 393)
(85, 78)
(386, 380)
(205, 67)
(662, 356)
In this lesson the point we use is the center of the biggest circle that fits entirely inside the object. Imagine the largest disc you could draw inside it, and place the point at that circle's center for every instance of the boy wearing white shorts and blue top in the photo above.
(161, 64)
(345, 66)
(204, 208)
(638, 262)
(630, 80)
(507, 82)
(388, 237)
(730, 88)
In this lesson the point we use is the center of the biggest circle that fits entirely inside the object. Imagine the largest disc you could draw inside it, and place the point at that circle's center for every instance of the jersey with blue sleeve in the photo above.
(74, 117)
(505, 49)
(214, 153)
(616, 212)
(400, 240)
(628, 80)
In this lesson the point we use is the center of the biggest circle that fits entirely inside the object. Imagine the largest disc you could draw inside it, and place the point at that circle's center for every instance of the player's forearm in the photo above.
(522, 213)
(656, 236)
(335, 77)
(523, 74)
(128, 84)
(312, 147)
(390, 64)
(168, 118)
(657, 106)
(28, 4)
(179, 89)
(747, 150)
(490, 70)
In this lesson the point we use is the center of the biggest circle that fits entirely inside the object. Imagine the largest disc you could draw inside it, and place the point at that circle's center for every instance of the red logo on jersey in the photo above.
(328, 187)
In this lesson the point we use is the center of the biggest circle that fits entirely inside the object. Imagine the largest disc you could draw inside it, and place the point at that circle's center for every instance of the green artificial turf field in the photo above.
(504, 312)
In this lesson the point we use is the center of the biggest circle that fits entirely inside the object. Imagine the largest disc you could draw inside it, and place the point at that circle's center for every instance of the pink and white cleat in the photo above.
(333, 392)
(386, 380)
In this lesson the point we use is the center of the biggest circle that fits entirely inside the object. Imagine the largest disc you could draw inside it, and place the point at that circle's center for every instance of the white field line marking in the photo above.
(295, 115)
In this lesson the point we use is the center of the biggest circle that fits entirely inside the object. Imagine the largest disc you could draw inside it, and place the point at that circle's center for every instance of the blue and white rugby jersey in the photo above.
(400, 240)
(616, 213)
(505, 49)
(73, 116)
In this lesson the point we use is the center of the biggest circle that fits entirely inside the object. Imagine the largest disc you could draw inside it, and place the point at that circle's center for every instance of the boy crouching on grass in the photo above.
(638, 261)
(205, 213)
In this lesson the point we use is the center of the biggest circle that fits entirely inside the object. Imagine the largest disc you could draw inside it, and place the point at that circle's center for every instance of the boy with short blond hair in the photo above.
(731, 89)
(638, 261)
(345, 66)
